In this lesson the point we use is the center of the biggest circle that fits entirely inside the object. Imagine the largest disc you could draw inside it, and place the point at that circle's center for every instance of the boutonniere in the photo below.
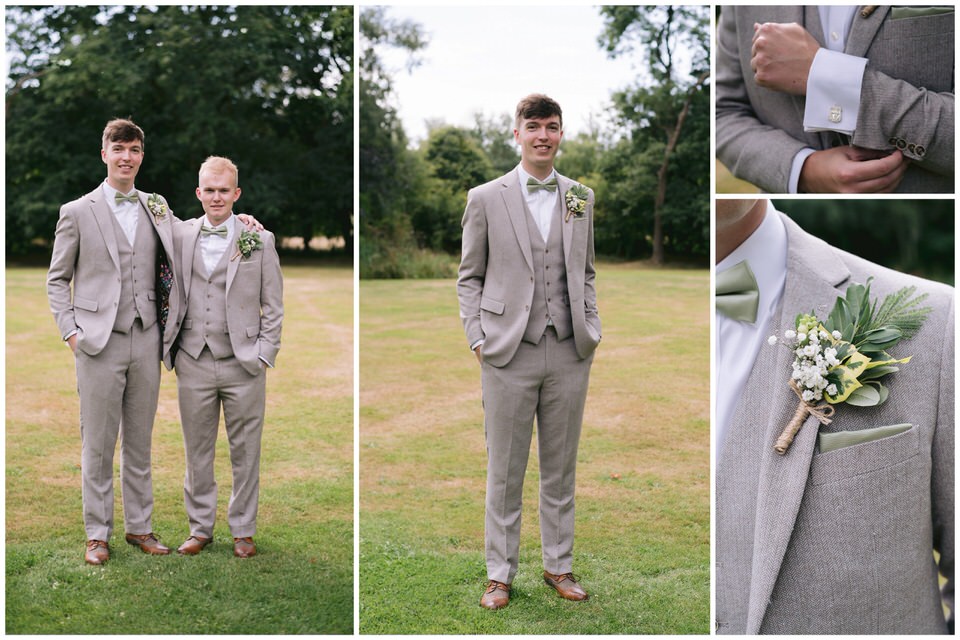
(842, 359)
(157, 206)
(247, 243)
(576, 200)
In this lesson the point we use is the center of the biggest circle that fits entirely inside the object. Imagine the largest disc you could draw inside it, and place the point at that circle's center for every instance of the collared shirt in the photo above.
(834, 84)
(126, 213)
(541, 202)
(738, 343)
(212, 247)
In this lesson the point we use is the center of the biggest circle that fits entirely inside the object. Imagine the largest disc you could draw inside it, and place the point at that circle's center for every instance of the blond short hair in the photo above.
(219, 164)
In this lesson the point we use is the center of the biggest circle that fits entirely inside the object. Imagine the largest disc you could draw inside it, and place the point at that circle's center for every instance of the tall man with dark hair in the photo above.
(529, 310)
(110, 244)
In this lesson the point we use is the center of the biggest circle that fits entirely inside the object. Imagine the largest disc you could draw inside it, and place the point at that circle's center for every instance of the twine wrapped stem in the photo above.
(822, 412)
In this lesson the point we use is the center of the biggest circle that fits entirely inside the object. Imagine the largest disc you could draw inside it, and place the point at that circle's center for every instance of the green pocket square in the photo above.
(898, 13)
(841, 439)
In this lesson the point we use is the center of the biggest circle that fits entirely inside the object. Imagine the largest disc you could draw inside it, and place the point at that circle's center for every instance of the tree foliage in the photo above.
(271, 87)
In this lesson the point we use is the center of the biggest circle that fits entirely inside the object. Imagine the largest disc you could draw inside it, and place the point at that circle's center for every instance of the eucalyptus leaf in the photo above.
(865, 396)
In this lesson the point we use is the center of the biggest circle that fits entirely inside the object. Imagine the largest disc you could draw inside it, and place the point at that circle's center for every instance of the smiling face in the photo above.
(217, 192)
(123, 161)
(539, 140)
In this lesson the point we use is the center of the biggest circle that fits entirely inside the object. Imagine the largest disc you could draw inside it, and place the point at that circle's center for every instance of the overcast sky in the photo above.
(484, 59)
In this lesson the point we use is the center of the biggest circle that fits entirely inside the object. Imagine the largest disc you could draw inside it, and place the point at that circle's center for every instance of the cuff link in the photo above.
(836, 114)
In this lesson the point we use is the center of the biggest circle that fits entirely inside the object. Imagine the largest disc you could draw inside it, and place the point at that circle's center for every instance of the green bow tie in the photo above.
(119, 198)
(737, 295)
(534, 185)
(210, 231)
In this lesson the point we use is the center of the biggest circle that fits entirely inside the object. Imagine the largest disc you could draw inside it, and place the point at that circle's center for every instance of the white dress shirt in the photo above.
(541, 202)
(212, 247)
(833, 85)
(127, 213)
(738, 343)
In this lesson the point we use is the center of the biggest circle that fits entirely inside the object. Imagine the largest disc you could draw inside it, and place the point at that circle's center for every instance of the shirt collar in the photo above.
(228, 223)
(766, 253)
(524, 176)
(111, 193)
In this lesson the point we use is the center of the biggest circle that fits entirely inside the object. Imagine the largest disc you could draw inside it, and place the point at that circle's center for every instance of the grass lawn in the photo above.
(643, 516)
(302, 579)
(727, 183)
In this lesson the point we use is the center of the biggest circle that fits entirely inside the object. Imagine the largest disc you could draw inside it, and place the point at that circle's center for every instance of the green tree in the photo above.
(455, 164)
(270, 87)
(495, 137)
(657, 114)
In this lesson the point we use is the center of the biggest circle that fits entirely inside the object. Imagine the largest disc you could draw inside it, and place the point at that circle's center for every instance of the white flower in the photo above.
(832, 390)
(801, 336)
(807, 395)
(789, 334)
(772, 340)
(837, 335)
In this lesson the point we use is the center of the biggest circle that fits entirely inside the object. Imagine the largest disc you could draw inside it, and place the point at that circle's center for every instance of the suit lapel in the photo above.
(517, 212)
(814, 274)
(864, 30)
(233, 265)
(187, 256)
(811, 22)
(563, 185)
(164, 227)
(104, 217)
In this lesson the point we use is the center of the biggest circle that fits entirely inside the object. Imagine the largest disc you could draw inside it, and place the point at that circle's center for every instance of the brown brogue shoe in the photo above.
(193, 545)
(244, 547)
(148, 543)
(566, 585)
(496, 595)
(98, 552)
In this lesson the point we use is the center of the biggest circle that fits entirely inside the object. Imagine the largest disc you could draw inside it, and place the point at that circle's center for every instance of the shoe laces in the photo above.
(96, 544)
(493, 585)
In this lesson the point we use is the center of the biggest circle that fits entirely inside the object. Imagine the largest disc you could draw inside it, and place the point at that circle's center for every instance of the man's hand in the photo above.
(72, 341)
(852, 170)
(478, 354)
(249, 222)
(781, 56)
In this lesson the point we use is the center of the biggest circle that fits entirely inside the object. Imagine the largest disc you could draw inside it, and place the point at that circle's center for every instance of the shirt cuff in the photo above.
(833, 92)
(476, 344)
(68, 336)
(264, 361)
(794, 185)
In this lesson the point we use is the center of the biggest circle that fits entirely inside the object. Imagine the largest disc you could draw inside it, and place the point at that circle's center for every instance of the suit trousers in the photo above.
(118, 388)
(547, 380)
(204, 385)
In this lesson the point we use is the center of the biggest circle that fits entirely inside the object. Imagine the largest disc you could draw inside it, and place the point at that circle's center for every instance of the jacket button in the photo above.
(920, 150)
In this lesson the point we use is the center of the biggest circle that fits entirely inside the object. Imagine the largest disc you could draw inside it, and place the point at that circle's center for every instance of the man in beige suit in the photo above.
(110, 244)
(529, 310)
(825, 539)
(229, 333)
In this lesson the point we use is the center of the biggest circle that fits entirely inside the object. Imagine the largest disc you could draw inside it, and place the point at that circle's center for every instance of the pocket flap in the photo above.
(253, 332)
(491, 305)
(85, 304)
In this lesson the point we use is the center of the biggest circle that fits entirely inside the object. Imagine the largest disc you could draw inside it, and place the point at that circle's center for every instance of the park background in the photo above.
(643, 518)
(271, 87)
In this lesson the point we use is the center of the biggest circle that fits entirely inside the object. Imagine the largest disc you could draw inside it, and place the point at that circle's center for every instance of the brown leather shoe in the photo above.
(566, 585)
(148, 543)
(244, 547)
(496, 596)
(98, 552)
(193, 545)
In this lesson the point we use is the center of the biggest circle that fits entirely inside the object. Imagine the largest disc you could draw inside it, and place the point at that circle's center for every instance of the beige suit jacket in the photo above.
(496, 279)
(254, 295)
(85, 253)
(843, 541)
